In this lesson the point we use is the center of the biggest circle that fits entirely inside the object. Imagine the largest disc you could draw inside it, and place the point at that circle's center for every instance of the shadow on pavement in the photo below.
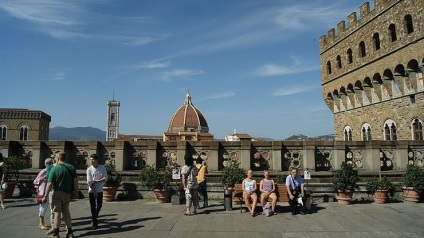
(115, 227)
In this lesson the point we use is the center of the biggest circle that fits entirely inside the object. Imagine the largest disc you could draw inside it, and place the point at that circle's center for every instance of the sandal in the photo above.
(43, 227)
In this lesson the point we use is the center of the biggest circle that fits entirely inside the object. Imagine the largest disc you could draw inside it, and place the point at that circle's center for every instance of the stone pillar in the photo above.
(372, 159)
(181, 151)
(37, 160)
(401, 155)
(152, 147)
(339, 154)
(309, 155)
(4, 148)
(93, 149)
(277, 148)
(212, 162)
(245, 154)
(120, 158)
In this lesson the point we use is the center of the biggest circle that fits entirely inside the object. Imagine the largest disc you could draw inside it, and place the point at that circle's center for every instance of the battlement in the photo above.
(365, 13)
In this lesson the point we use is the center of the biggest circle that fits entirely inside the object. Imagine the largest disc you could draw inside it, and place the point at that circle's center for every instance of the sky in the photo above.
(250, 65)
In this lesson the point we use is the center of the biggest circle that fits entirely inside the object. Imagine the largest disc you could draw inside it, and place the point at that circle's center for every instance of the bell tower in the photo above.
(112, 125)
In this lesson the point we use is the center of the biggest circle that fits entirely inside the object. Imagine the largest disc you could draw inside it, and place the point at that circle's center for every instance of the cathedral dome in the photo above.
(188, 118)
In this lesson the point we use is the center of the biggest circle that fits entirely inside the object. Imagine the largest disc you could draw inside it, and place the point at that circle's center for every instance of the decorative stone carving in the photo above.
(139, 158)
(386, 160)
(261, 160)
(416, 157)
(229, 157)
(323, 160)
(294, 158)
(354, 158)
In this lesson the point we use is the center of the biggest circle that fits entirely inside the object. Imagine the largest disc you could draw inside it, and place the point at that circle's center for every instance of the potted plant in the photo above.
(13, 166)
(157, 180)
(112, 183)
(345, 182)
(413, 183)
(232, 174)
(380, 188)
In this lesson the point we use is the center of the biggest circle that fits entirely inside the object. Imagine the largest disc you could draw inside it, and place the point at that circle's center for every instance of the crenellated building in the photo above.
(24, 125)
(372, 72)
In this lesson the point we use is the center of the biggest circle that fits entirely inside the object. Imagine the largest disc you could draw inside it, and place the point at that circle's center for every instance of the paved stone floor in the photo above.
(145, 218)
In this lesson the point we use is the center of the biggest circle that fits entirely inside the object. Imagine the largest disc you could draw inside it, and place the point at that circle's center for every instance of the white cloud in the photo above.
(218, 96)
(180, 73)
(76, 20)
(276, 70)
(152, 65)
(286, 91)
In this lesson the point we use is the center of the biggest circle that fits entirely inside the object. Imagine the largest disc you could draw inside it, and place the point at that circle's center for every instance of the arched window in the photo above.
(392, 32)
(408, 24)
(328, 67)
(366, 132)
(3, 132)
(390, 130)
(376, 39)
(112, 116)
(347, 133)
(362, 52)
(417, 130)
(349, 56)
(339, 62)
(112, 133)
(23, 133)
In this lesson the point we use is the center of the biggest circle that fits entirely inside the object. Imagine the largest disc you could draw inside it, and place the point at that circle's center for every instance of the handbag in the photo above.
(39, 199)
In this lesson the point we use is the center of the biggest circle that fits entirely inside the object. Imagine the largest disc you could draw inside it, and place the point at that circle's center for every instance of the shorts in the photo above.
(60, 201)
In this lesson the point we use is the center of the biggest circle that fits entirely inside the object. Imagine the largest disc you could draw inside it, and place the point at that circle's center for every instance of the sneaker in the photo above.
(54, 236)
(51, 231)
(69, 235)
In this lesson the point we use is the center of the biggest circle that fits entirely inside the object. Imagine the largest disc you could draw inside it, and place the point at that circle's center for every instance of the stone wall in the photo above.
(275, 156)
(387, 82)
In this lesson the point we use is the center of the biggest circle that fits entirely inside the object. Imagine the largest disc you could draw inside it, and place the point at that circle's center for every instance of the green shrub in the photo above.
(345, 178)
(414, 177)
(232, 174)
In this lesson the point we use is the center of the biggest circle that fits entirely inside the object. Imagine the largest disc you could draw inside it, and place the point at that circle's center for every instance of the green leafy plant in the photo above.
(155, 178)
(380, 184)
(232, 174)
(345, 178)
(281, 179)
(14, 165)
(414, 177)
(114, 179)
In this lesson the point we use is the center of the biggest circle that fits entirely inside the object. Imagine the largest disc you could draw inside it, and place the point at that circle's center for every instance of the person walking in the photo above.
(96, 175)
(201, 179)
(40, 183)
(189, 181)
(63, 182)
(3, 181)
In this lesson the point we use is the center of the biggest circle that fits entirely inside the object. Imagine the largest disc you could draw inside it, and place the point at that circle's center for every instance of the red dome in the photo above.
(188, 118)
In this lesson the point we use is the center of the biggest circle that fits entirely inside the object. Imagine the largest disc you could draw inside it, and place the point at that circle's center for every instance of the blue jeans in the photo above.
(204, 192)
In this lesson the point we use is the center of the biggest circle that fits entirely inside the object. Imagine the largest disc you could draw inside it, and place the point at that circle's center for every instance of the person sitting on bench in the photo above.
(249, 192)
(295, 191)
(267, 188)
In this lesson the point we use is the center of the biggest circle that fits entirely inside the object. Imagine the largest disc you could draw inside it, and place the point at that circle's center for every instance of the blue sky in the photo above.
(250, 65)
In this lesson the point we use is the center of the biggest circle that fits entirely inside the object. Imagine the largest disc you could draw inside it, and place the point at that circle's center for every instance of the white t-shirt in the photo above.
(95, 174)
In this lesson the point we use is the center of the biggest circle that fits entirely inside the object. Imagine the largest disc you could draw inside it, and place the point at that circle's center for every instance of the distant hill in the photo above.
(77, 134)
(304, 137)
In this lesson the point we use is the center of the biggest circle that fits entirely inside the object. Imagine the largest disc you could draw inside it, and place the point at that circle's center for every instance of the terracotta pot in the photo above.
(344, 198)
(109, 194)
(410, 195)
(162, 195)
(8, 192)
(381, 196)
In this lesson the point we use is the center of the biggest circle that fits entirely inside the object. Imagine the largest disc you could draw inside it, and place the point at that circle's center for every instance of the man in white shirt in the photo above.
(96, 175)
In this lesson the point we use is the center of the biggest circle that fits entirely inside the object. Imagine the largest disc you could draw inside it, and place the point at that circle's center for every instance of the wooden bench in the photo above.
(280, 191)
